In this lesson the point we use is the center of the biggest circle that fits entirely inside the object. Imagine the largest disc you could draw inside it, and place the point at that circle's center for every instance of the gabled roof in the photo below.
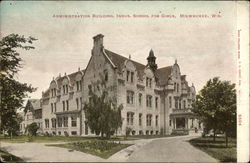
(35, 103)
(32, 105)
(162, 75)
(119, 60)
(72, 78)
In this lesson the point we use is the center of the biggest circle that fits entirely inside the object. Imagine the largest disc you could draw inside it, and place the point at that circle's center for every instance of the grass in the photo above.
(47, 139)
(43, 139)
(217, 149)
(101, 148)
(136, 137)
(7, 157)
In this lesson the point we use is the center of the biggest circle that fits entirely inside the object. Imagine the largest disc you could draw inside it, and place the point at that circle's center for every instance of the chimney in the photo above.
(98, 41)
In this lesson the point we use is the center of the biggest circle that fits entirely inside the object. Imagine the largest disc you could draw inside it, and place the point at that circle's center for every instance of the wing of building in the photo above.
(155, 100)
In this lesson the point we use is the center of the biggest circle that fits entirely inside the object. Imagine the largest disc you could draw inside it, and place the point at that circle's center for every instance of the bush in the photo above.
(101, 145)
(32, 129)
(66, 133)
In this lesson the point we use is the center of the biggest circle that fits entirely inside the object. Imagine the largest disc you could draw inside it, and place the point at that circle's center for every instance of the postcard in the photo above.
(124, 81)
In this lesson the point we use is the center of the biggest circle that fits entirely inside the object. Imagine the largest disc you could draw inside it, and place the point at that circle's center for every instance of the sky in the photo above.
(204, 47)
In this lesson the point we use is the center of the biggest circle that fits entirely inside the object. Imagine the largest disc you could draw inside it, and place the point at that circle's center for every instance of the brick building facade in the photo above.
(155, 100)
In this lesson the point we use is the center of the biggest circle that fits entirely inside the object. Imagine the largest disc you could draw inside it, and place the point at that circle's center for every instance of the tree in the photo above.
(32, 129)
(102, 114)
(12, 91)
(215, 105)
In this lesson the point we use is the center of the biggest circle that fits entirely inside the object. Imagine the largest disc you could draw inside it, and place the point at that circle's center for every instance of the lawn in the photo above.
(7, 157)
(217, 149)
(47, 139)
(101, 148)
(43, 139)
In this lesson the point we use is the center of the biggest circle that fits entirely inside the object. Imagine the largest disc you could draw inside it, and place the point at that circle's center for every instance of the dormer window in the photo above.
(65, 89)
(79, 85)
(132, 77)
(148, 82)
(128, 73)
(53, 92)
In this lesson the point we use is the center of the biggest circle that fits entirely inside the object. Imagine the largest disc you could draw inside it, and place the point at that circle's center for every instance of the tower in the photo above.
(151, 60)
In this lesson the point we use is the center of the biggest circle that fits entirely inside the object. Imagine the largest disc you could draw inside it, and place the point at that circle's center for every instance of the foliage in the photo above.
(100, 148)
(128, 131)
(7, 157)
(216, 106)
(12, 91)
(217, 148)
(32, 129)
(102, 114)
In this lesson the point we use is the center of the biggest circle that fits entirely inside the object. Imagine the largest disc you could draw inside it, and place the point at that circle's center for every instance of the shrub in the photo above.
(32, 129)
(101, 145)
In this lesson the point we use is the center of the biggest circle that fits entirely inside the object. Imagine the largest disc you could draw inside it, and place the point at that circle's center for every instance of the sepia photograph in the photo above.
(126, 81)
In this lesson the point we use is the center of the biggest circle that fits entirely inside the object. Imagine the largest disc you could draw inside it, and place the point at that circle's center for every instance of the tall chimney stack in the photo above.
(98, 41)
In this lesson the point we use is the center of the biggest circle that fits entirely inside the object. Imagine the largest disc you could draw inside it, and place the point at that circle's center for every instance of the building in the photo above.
(155, 100)
(32, 113)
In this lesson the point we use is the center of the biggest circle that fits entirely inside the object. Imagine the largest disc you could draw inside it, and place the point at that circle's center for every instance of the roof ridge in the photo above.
(126, 57)
(164, 67)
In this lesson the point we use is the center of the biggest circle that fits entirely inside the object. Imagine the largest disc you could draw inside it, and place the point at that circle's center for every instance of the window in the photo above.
(80, 102)
(54, 107)
(179, 104)
(65, 121)
(176, 104)
(51, 107)
(78, 85)
(53, 92)
(156, 102)
(149, 101)
(140, 98)
(73, 132)
(59, 120)
(149, 119)
(106, 75)
(128, 75)
(140, 119)
(67, 104)
(170, 102)
(177, 87)
(130, 118)
(132, 77)
(53, 122)
(148, 82)
(130, 97)
(73, 121)
(184, 104)
(67, 89)
(63, 89)
(156, 120)
(90, 88)
(63, 105)
(77, 103)
(170, 122)
(46, 123)
(174, 86)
